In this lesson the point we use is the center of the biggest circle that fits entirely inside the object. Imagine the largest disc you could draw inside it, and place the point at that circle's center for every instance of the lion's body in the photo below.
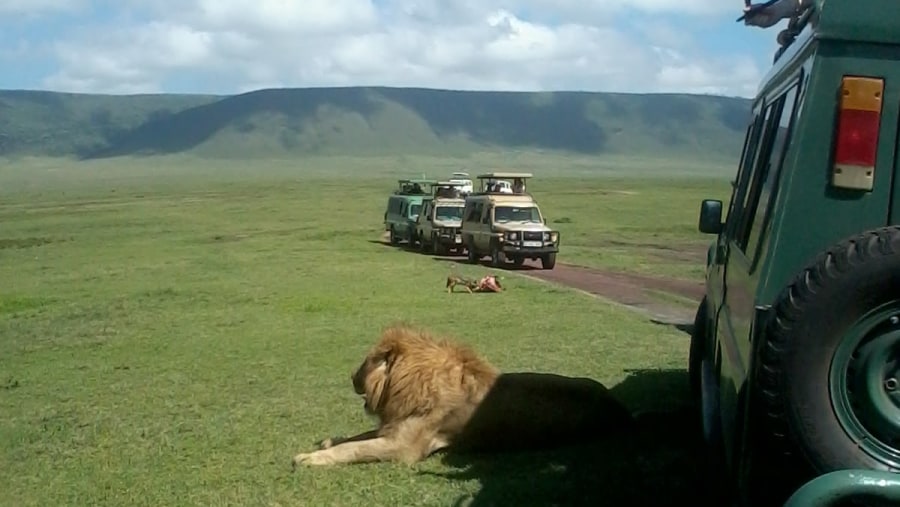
(433, 394)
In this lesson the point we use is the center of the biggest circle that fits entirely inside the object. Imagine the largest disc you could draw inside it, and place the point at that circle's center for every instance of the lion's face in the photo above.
(369, 380)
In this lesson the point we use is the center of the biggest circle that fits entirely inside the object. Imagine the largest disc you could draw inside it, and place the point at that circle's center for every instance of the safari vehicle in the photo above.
(437, 227)
(795, 351)
(462, 179)
(507, 226)
(403, 208)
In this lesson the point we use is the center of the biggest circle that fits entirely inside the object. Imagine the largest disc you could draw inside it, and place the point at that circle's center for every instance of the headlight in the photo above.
(512, 236)
(554, 237)
(546, 236)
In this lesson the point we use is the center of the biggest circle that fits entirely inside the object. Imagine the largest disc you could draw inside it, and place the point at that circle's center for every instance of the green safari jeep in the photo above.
(795, 353)
(403, 208)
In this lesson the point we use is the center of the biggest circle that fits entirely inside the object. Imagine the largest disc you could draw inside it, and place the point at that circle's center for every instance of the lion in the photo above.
(433, 395)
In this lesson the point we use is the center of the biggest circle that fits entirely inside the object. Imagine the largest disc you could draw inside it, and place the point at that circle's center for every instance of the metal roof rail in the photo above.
(798, 13)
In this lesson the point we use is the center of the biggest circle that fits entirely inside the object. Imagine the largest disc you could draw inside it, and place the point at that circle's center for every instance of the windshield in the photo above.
(517, 214)
(448, 213)
(414, 210)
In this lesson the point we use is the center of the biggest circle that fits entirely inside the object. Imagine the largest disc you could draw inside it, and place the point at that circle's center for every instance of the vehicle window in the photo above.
(772, 168)
(750, 183)
(414, 210)
(747, 154)
(517, 214)
(474, 213)
(448, 213)
(487, 216)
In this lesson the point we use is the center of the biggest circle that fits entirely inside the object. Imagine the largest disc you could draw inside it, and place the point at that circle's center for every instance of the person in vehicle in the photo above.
(764, 17)
(518, 186)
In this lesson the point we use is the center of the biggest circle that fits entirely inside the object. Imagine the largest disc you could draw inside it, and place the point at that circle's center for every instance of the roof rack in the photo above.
(799, 14)
(414, 186)
(796, 24)
(447, 190)
(504, 175)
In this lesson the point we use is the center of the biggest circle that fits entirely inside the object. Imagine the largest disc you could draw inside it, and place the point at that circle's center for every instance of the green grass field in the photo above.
(173, 331)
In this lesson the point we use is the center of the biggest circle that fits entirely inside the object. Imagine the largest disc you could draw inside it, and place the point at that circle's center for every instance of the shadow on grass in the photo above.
(660, 464)
(486, 263)
(400, 246)
(687, 328)
(404, 245)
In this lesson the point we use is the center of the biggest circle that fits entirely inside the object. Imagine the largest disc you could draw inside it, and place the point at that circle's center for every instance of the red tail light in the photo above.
(857, 138)
(858, 124)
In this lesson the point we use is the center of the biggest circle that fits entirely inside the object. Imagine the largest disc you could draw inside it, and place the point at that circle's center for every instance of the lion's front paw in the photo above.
(311, 458)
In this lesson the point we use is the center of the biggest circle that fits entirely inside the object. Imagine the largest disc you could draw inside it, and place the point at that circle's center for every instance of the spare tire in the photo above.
(830, 363)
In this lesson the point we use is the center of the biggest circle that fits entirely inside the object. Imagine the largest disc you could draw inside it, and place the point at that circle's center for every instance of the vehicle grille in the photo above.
(532, 235)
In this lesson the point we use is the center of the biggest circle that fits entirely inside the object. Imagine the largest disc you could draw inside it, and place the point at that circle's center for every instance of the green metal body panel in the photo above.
(805, 213)
(806, 204)
(858, 20)
(401, 213)
(835, 488)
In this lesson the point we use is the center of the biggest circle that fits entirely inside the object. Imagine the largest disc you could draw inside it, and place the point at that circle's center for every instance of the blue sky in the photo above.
(232, 46)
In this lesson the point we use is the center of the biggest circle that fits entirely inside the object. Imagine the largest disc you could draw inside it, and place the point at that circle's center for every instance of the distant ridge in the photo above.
(369, 121)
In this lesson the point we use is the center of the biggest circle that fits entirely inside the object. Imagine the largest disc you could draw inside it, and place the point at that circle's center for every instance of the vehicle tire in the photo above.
(394, 239)
(518, 261)
(698, 344)
(548, 261)
(703, 383)
(437, 247)
(423, 246)
(498, 258)
(472, 254)
(830, 363)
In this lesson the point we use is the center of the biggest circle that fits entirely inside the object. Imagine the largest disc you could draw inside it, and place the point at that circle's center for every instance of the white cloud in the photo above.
(705, 7)
(283, 17)
(464, 44)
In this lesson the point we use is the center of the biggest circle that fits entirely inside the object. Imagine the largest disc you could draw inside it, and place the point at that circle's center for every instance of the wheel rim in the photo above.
(865, 383)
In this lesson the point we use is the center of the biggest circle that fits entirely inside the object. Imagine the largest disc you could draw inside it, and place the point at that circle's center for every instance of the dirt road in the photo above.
(630, 290)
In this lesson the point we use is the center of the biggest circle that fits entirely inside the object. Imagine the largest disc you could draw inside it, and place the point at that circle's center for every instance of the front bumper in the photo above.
(518, 248)
(450, 240)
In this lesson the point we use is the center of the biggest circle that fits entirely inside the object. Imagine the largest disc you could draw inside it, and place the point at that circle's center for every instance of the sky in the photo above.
(235, 46)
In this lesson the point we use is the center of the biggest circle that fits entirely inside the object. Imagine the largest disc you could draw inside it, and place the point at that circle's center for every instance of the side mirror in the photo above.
(710, 216)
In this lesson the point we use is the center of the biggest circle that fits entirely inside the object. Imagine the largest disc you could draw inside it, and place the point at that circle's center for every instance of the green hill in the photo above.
(368, 121)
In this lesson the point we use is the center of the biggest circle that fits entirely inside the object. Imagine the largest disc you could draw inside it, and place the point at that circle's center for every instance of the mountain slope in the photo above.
(64, 124)
(368, 121)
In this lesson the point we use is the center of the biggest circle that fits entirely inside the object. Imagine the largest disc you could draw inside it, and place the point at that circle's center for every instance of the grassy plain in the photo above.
(172, 331)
